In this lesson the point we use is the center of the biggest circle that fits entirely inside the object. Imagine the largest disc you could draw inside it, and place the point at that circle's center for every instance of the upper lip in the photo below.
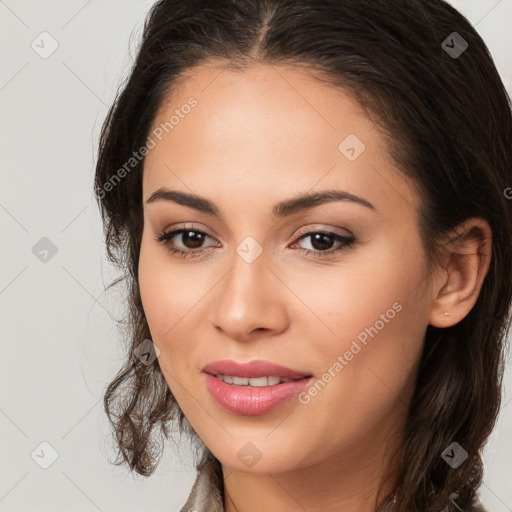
(258, 368)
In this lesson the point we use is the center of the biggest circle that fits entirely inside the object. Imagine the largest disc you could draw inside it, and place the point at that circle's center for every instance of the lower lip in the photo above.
(253, 401)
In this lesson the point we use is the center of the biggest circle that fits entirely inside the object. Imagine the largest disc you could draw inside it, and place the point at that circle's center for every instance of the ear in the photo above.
(465, 264)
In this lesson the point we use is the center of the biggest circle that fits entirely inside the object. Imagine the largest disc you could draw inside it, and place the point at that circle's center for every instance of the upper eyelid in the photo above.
(303, 233)
(180, 229)
(333, 231)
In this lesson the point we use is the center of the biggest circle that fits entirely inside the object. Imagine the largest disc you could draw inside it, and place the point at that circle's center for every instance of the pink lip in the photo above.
(256, 368)
(252, 401)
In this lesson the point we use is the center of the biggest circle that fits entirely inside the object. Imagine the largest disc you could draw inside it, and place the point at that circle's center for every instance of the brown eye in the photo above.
(192, 239)
(323, 241)
(190, 245)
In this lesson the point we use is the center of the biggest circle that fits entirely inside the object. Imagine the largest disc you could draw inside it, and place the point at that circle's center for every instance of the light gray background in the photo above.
(60, 342)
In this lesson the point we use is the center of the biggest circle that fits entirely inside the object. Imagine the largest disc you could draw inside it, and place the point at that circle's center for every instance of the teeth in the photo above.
(240, 381)
(256, 382)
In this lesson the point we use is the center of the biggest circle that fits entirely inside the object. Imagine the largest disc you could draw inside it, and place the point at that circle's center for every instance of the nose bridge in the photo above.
(247, 297)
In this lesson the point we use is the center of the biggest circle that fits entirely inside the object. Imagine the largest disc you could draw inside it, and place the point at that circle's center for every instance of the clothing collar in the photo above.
(207, 494)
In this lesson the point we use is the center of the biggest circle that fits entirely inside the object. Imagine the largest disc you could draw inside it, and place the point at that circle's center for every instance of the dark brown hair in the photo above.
(448, 123)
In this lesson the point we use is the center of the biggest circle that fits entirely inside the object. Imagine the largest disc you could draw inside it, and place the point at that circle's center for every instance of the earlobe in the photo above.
(458, 286)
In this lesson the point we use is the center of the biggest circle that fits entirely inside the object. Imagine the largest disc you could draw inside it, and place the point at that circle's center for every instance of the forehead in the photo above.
(271, 130)
(276, 102)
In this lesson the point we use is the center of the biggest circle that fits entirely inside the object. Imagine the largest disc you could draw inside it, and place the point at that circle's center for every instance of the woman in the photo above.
(363, 374)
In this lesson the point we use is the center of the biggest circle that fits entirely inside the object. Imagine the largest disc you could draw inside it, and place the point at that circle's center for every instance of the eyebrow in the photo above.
(284, 208)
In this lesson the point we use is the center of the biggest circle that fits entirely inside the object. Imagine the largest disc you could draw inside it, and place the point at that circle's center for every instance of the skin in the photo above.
(255, 138)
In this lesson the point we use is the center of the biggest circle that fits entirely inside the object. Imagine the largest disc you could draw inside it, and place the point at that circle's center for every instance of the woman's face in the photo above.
(261, 281)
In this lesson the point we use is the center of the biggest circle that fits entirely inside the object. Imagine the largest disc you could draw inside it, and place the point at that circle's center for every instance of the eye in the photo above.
(192, 240)
(323, 241)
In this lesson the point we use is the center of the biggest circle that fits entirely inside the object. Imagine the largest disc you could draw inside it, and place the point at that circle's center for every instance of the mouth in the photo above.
(256, 373)
(253, 388)
(255, 382)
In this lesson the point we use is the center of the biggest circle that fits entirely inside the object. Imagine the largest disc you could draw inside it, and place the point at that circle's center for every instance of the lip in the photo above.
(257, 368)
(253, 401)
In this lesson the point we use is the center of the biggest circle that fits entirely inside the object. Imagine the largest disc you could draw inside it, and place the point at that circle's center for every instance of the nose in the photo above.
(251, 298)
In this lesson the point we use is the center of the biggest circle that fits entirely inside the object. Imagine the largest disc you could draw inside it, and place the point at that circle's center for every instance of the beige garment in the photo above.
(207, 494)
(208, 490)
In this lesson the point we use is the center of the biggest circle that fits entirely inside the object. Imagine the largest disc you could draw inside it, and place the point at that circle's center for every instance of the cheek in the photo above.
(165, 292)
(369, 325)
(151, 276)
(163, 295)
(375, 288)
(164, 302)
(171, 298)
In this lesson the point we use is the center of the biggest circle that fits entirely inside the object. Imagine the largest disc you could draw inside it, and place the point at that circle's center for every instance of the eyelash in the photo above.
(165, 237)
